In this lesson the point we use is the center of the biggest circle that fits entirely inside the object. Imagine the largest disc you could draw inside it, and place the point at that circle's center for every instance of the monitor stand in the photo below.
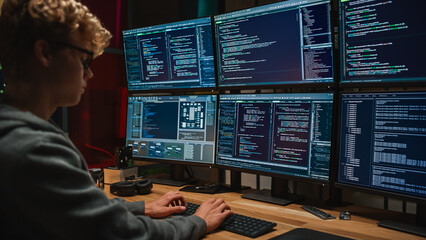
(279, 193)
(419, 229)
(177, 177)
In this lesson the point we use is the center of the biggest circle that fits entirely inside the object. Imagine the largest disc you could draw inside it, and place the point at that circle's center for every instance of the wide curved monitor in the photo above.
(276, 44)
(173, 129)
(382, 148)
(287, 135)
(173, 56)
(382, 41)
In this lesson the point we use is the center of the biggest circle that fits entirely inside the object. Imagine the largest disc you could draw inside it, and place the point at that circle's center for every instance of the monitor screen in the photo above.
(170, 56)
(382, 138)
(174, 128)
(380, 44)
(286, 134)
(281, 43)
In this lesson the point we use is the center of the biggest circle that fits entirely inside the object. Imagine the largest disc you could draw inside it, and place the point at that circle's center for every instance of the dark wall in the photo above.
(96, 120)
(113, 14)
(148, 13)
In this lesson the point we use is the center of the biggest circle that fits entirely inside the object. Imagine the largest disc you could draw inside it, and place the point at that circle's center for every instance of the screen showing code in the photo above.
(175, 128)
(286, 134)
(382, 139)
(378, 43)
(282, 43)
(170, 56)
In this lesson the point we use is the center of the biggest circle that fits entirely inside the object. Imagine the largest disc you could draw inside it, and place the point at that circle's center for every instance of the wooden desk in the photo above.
(362, 226)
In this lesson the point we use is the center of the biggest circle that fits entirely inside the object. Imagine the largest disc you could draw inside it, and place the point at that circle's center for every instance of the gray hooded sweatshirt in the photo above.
(47, 193)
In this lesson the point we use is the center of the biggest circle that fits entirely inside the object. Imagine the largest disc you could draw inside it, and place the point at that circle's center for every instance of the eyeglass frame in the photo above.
(86, 63)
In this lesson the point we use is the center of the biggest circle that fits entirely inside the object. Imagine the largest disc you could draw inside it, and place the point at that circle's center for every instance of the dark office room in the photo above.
(213, 119)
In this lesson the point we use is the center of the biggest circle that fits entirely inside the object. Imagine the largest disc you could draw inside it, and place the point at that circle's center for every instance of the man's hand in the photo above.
(213, 211)
(171, 202)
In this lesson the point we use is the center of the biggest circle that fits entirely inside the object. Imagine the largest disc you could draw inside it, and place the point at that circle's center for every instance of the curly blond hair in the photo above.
(23, 22)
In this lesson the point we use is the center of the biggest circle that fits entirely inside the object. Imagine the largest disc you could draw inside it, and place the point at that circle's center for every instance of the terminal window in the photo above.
(378, 43)
(172, 127)
(382, 139)
(175, 55)
(287, 42)
(277, 133)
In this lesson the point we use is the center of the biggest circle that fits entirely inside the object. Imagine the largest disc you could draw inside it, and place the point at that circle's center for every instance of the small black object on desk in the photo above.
(345, 215)
(130, 188)
(318, 212)
(211, 188)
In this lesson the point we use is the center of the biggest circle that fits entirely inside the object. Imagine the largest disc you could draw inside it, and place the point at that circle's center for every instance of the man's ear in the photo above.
(42, 52)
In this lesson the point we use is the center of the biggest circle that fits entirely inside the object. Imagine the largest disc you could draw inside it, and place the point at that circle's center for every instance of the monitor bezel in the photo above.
(285, 175)
(322, 85)
(379, 192)
(383, 84)
(300, 84)
(369, 190)
(170, 161)
(173, 89)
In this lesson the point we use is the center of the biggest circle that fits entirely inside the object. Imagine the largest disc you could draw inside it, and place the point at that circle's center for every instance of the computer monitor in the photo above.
(285, 43)
(381, 147)
(176, 55)
(382, 41)
(280, 135)
(172, 129)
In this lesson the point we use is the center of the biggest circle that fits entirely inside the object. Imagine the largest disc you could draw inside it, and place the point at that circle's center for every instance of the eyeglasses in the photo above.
(87, 61)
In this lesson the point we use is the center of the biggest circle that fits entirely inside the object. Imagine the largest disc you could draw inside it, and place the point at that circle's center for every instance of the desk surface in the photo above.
(361, 226)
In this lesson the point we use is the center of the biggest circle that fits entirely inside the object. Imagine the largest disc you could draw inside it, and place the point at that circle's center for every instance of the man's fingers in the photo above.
(177, 209)
(228, 212)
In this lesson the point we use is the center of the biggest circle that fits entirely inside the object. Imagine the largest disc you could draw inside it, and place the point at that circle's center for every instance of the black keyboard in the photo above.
(318, 212)
(240, 224)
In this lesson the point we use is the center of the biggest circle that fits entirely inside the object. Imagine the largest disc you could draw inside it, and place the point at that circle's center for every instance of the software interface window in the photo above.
(378, 43)
(382, 141)
(172, 127)
(175, 55)
(277, 133)
(286, 42)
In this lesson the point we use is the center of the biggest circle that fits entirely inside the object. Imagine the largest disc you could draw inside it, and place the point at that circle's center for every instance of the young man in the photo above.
(46, 47)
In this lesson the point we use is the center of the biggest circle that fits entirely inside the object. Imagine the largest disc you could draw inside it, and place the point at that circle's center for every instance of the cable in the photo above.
(189, 171)
(102, 150)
